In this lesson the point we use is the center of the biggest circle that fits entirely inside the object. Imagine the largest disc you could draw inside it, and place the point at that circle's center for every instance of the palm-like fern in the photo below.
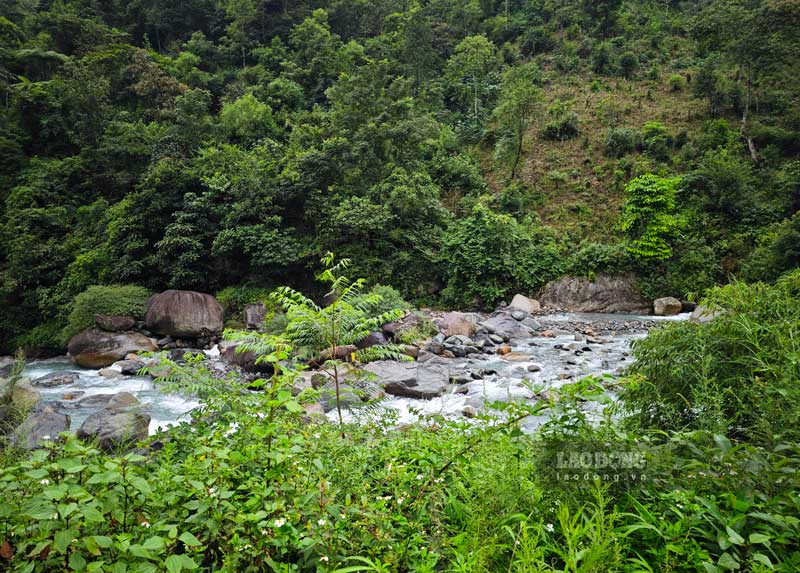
(320, 333)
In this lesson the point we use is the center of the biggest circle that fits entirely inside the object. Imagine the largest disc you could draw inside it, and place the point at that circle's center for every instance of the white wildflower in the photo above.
(324, 558)
(280, 522)
(146, 524)
(45, 482)
(400, 500)
(321, 522)
(420, 476)
(550, 527)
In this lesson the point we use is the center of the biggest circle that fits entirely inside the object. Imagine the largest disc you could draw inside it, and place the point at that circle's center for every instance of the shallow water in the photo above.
(164, 409)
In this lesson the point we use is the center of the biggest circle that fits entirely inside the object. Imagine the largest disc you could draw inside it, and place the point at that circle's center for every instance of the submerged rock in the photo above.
(56, 379)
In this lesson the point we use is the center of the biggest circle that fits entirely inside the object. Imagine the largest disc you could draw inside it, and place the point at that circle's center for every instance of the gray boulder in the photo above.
(667, 306)
(525, 304)
(184, 314)
(24, 396)
(410, 379)
(56, 379)
(43, 424)
(702, 314)
(245, 360)
(373, 339)
(117, 425)
(129, 367)
(606, 293)
(95, 348)
(505, 326)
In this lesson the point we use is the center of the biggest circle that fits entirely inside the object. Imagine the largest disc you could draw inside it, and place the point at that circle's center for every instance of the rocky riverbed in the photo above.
(504, 356)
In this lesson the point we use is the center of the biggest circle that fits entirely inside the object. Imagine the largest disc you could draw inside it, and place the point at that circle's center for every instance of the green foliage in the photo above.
(778, 251)
(677, 83)
(563, 123)
(519, 98)
(234, 298)
(594, 258)
(621, 141)
(734, 375)
(648, 217)
(121, 300)
(247, 119)
(489, 256)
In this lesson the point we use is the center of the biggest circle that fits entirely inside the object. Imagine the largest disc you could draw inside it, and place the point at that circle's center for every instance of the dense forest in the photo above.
(458, 150)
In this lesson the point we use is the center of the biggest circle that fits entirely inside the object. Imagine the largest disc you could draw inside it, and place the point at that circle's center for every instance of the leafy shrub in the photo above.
(603, 59)
(677, 83)
(563, 124)
(648, 216)
(628, 63)
(622, 140)
(489, 256)
(234, 298)
(655, 140)
(778, 251)
(45, 339)
(600, 258)
(736, 375)
(383, 298)
(122, 300)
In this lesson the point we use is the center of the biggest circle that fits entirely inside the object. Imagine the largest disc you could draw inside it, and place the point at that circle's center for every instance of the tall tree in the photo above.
(519, 100)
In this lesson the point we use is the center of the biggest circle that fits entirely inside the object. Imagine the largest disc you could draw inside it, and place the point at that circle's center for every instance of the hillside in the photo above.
(231, 145)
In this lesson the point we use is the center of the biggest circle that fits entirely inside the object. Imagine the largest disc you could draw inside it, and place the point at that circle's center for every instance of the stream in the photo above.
(561, 359)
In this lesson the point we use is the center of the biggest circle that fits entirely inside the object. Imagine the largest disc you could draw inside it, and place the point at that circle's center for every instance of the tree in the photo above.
(472, 72)
(648, 217)
(325, 333)
(519, 100)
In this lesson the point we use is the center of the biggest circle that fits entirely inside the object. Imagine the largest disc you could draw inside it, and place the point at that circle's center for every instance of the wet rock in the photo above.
(94, 348)
(409, 322)
(702, 314)
(612, 294)
(94, 401)
(503, 349)
(246, 360)
(516, 357)
(532, 323)
(117, 425)
(667, 306)
(129, 367)
(505, 326)
(164, 342)
(579, 337)
(110, 373)
(533, 368)
(42, 424)
(518, 315)
(56, 379)
(469, 411)
(411, 350)
(184, 314)
(496, 339)
(409, 379)
(373, 339)
(525, 304)
(111, 323)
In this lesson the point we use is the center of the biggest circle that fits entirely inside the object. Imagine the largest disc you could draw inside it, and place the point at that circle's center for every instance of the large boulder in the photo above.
(111, 323)
(42, 424)
(667, 306)
(56, 379)
(613, 294)
(94, 348)
(246, 360)
(505, 326)
(410, 379)
(117, 425)
(184, 314)
(373, 339)
(7, 366)
(458, 324)
(702, 314)
(525, 304)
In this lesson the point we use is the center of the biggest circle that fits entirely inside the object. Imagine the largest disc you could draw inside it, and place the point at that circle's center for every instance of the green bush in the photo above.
(122, 300)
(600, 258)
(490, 256)
(563, 123)
(677, 83)
(45, 339)
(388, 298)
(778, 251)
(234, 298)
(622, 140)
(736, 375)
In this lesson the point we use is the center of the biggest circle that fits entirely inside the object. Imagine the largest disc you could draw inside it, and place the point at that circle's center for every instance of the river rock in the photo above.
(111, 323)
(457, 324)
(129, 367)
(43, 424)
(95, 348)
(525, 304)
(24, 396)
(116, 425)
(373, 339)
(667, 306)
(505, 326)
(56, 379)
(245, 360)
(516, 357)
(184, 314)
(254, 316)
(396, 328)
(6, 366)
(702, 314)
(410, 379)
(606, 294)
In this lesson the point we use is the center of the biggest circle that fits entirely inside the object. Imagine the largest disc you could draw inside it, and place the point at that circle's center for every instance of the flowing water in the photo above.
(561, 360)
